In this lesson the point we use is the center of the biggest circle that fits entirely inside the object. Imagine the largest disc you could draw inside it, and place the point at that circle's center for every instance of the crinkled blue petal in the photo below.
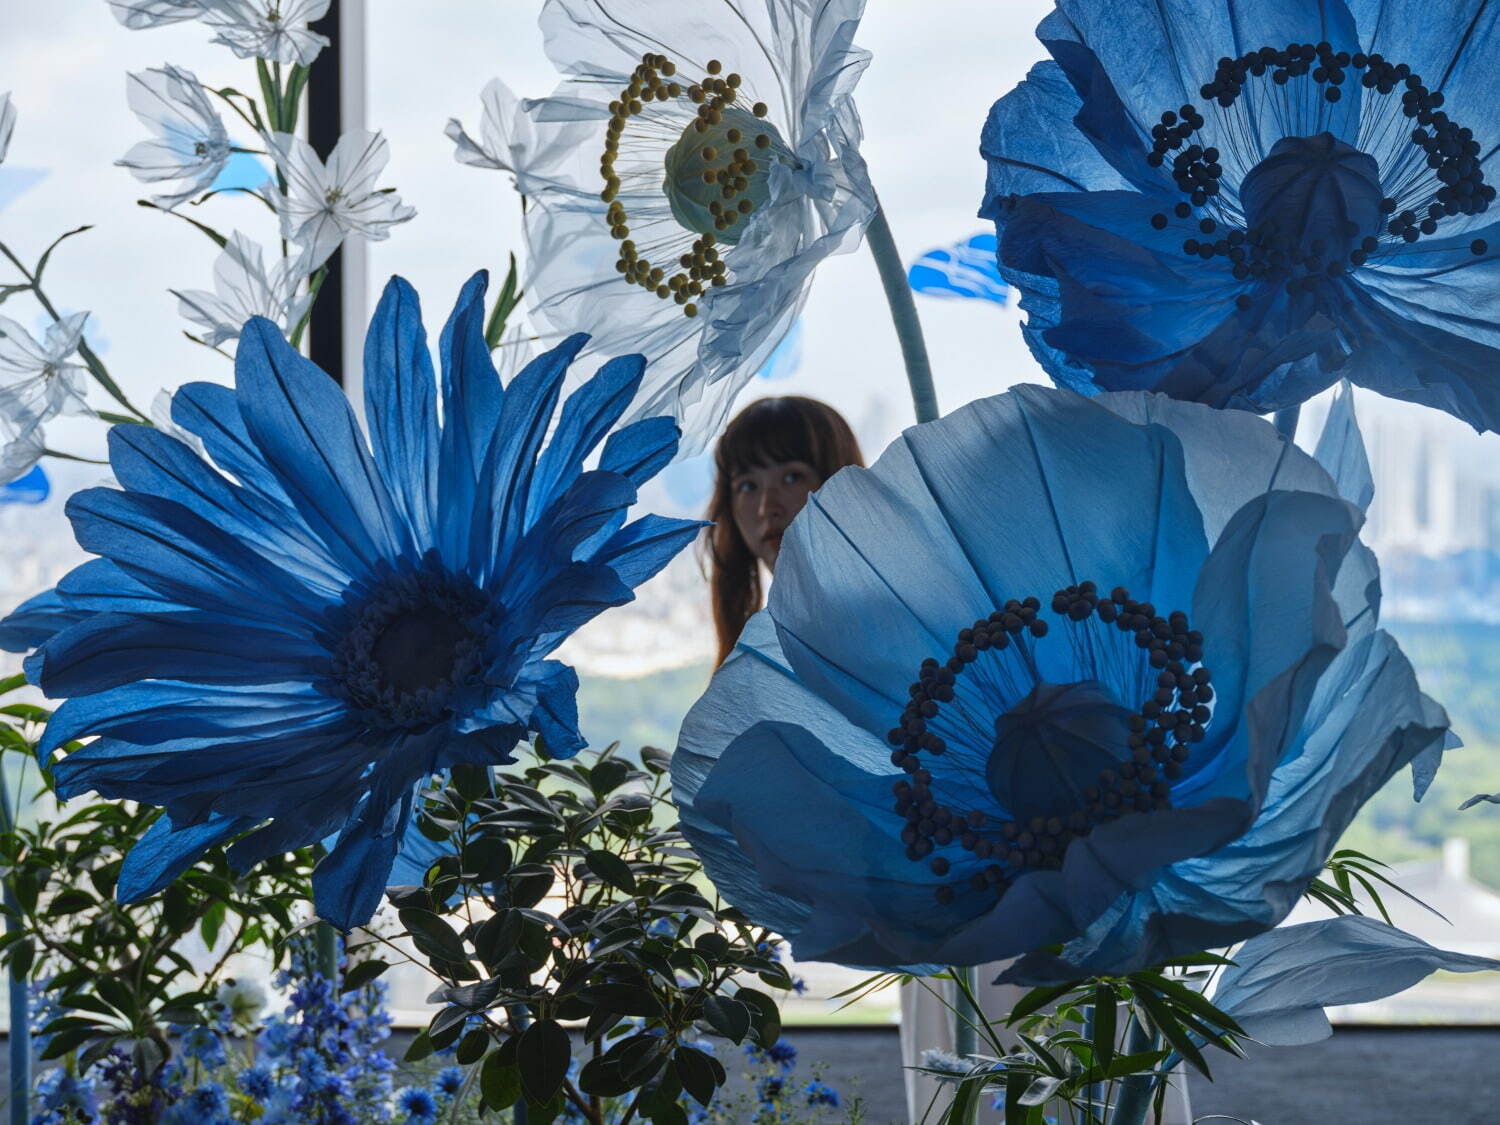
(304, 427)
(401, 404)
(166, 851)
(36, 620)
(1280, 982)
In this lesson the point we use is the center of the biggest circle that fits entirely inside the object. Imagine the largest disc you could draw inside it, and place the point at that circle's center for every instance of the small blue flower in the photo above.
(257, 1083)
(1102, 672)
(821, 1094)
(1238, 201)
(203, 1045)
(418, 1104)
(392, 603)
(450, 1081)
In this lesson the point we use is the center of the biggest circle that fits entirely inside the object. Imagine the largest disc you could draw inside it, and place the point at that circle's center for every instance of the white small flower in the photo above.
(945, 1061)
(20, 448)
(684, 182)
(505, 134)
(243, 1001)
(190, 142)
(140, 14)
(37, 381)
(245, 287)
(7, 123)
(325, 203)
(275, 30)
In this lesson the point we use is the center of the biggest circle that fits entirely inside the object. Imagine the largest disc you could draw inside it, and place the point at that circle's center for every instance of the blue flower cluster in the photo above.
(319, 1059)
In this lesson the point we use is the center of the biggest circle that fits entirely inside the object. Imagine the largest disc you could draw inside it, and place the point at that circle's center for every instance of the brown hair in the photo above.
(790, 428)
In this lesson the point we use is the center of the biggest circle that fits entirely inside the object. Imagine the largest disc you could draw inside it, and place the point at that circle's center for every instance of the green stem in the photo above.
(903, 315)
(328, 952)
(1136, 1091)
(71, 457)
(93, 362)
(316, 284)
(20, 1003)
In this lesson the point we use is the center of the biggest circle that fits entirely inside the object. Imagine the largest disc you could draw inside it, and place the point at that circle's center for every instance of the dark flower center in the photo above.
(1311, 201)
(1056, 760)
(404, 648)
(1052, 745)
(417, 649)
(1315, 206)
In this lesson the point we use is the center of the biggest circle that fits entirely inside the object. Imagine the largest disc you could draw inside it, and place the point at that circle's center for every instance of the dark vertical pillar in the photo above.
(325, 112)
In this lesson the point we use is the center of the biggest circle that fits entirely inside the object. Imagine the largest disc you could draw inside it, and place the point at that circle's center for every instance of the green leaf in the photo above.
(499, 1082)
(421, 1048)
(699, 1072)
(505, 302)
(472, 1046)
(543, 1054)
(1105, 1011)
(728, 1017)
(765, 1017)
(433, 935)
(1037, 999)
(1172, 1031)
(612, 869)
(362, 973)
(41, 263)
(219, 239)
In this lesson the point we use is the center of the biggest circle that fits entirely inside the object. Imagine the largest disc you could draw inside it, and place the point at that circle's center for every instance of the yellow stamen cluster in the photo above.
(652, 81)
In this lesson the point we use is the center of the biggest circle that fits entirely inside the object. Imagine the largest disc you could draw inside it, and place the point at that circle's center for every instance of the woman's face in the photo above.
(766, 500)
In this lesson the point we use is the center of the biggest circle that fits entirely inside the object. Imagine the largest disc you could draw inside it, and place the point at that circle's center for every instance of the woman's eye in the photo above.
(745, 486)
(791, 476)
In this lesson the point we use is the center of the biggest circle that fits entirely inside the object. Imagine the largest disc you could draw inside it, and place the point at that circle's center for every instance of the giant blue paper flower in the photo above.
(1055, 670)
(299, 637)
(1238, 201)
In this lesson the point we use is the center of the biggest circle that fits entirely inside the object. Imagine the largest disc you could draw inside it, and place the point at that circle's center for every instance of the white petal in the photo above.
(7, 123)
(140, 14)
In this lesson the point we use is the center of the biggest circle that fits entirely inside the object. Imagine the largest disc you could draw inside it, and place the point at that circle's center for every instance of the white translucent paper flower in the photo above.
(275, 30)
(245, 287)
(684, 182)
(190, 145)
(7, 123)
(37, 381)
(325, 203)
(140, 14)
(504, 136)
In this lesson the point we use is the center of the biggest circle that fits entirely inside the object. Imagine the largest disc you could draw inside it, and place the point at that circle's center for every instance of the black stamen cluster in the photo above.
(1450, 149)
(1161, 733)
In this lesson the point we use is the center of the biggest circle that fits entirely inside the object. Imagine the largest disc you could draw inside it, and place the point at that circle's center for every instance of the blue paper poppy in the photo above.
(1102, 672)
(296, 640)
(1237, 202)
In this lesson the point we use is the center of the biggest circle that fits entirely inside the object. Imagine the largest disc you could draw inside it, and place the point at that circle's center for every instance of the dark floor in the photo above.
(1367, 1076)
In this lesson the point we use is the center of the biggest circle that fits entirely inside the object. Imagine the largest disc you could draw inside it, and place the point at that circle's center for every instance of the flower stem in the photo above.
(20, 1011)
(903, 315)
(1286, 421)
(94, 363)
(1137, 1090)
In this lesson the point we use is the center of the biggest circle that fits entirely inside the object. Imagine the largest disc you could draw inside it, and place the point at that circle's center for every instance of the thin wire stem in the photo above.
(20, 1001)
(903, 316)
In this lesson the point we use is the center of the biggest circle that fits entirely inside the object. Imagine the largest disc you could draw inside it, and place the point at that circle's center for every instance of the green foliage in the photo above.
(1074, 1052)
(118, 972)
(1458, 665)
(562, 897)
